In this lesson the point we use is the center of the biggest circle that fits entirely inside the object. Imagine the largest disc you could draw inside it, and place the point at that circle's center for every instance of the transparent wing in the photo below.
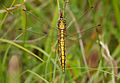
(46, 25)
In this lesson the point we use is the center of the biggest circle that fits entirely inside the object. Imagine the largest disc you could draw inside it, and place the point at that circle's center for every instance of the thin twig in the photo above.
(109, 59)
(59, 7)
(80, 40)
(12, 8)
(65, 4)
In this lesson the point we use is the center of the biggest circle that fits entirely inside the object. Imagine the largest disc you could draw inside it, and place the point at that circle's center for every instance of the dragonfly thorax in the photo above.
(62, 23)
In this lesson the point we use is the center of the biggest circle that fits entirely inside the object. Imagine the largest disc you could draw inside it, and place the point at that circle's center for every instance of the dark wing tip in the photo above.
(99, 24)
(92, 7)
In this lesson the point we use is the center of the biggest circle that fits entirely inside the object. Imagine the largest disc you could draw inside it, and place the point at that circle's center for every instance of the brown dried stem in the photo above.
(110, 60)
(59, 8)
(12, 8)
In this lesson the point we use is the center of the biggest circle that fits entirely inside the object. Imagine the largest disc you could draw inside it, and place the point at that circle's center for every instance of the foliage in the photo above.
(28, 31)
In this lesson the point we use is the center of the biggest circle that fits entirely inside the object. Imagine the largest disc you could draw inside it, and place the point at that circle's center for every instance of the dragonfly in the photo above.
(62, 32)
(61, 39)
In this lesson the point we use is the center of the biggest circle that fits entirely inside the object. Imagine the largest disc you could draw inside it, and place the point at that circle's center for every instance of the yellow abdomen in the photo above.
(61, 42)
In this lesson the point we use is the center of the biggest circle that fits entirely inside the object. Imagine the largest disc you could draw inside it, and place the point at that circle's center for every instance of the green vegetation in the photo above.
(28, 41)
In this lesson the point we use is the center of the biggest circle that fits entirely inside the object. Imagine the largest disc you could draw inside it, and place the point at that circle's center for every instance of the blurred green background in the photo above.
(28, 41)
